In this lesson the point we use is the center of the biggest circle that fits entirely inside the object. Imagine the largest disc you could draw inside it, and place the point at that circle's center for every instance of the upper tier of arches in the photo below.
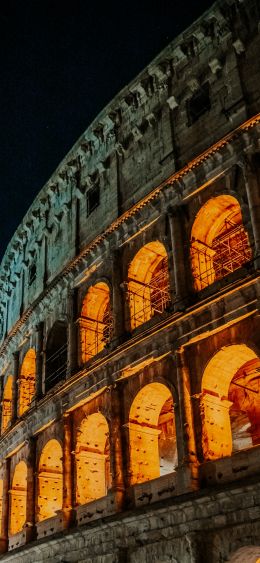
(219, 246)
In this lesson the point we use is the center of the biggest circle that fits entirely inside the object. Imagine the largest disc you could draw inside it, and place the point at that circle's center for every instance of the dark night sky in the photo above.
(61, 63)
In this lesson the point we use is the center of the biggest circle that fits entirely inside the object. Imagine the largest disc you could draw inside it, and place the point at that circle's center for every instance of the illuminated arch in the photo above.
(95, 321)
(50, 480)
(92, 459)
(230, 402)
(18, 498)
(152, 434)
(7, 403)
(56, 355)
(27, 381)
(148, 283)
(219, 242)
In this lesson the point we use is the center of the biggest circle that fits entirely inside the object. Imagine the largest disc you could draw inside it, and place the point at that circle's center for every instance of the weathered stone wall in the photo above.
(154, 165)
(205, 528)
(139, 140)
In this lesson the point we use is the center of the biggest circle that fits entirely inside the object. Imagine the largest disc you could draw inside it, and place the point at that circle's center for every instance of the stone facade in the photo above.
(129, 322)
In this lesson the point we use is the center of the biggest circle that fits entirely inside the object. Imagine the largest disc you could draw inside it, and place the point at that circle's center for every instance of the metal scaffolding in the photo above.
(95, 334)
(149, 299)
(6, 412)
(228, 252)
(27, 387)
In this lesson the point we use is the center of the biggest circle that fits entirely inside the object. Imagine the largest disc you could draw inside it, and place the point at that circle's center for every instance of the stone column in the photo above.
(67, 470)
(251, 171)
(175, 217)
(72, 334)
(5, 506)
(39, 361)
(116, 459)
(15, 387)
(216, 428)
(118, 297)
(31, 491)
(187, 439)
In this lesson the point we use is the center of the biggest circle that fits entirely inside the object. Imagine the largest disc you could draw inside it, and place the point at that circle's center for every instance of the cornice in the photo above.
(173, 59)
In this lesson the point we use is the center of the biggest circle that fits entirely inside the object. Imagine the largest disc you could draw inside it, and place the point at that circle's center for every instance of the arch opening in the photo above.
(230, 402)
(152, 434)
(219, 241)
(93, 477)
(7, 403)
(18, 499)
(96, 325)
(56, 355)
(148, 284)
(27, 381)
(50, 481)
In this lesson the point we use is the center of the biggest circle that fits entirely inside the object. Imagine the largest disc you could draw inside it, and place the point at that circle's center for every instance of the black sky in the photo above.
(61, 63)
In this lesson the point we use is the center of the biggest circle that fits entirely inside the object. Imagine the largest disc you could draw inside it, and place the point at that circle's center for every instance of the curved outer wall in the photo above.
(184, 132)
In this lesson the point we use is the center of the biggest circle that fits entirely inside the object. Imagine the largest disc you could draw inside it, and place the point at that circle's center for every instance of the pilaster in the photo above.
(72, 334)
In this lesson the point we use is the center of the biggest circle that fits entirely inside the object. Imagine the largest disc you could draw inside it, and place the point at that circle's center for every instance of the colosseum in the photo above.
(130, 326)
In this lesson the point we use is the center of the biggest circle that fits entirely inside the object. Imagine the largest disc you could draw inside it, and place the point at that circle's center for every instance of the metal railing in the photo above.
(228, 252)
(149, 299)
(95, 334)
(55, 367)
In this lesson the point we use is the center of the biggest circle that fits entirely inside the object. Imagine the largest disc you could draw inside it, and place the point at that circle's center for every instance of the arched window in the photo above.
(92, 459)
(56, 355)
(27, 381)
(50, 480)
(18, 499)
(148, 283)
(95, 321)
(230, 402)
(219, 242)
(152, 434)
(7, 403)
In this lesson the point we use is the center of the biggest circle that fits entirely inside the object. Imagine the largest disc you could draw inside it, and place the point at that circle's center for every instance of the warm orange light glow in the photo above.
(244, 393)
(222, 398)
(148, 283)
(1, 506)
(95, 321)
(50, 480)
(27, 381)
(219, 242)
(152, 434)
(7, 403)
(92, 459)
(18, 498)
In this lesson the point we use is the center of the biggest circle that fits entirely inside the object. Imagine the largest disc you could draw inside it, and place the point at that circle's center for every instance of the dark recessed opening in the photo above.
(56, 355)
(32, 273)
(93, 199)
(198, 104)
